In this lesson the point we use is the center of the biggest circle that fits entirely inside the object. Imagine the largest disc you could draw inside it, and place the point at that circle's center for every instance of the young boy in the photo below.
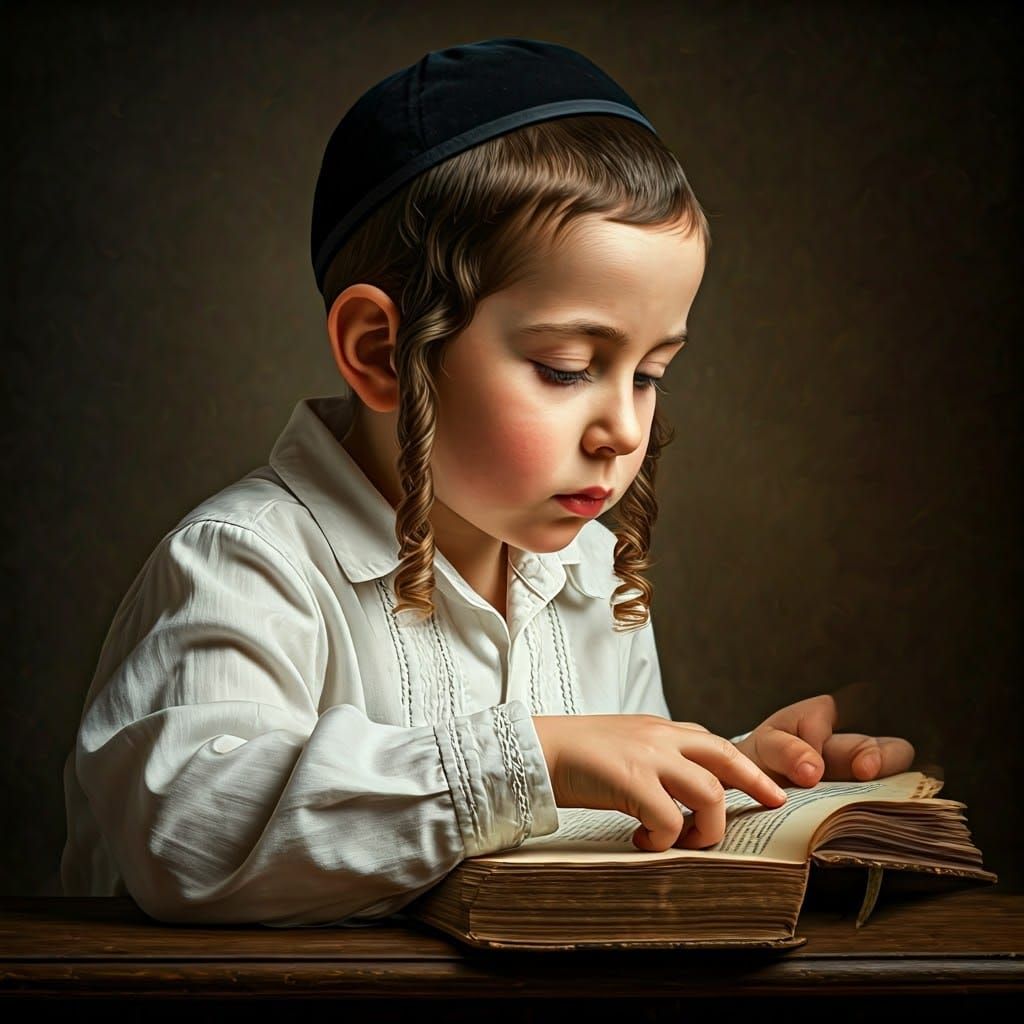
(396, 645)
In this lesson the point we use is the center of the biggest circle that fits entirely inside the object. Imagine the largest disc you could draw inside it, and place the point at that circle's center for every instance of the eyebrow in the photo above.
(596, 330)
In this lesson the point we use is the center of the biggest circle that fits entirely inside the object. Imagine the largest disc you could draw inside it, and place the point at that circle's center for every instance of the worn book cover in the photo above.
(587, 886)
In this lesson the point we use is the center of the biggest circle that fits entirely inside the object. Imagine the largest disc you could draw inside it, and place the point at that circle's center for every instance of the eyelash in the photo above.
(572, 378)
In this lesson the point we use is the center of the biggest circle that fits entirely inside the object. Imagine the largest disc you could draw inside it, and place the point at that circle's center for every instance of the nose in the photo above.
(616, 424)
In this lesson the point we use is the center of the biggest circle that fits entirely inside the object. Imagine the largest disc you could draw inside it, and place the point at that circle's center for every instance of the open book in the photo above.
(587, 886)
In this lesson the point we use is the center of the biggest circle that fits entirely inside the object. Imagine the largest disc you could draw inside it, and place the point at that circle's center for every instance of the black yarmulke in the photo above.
(447, 102)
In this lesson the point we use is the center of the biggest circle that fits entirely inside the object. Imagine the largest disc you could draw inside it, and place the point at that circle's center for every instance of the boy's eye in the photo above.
(642, 381)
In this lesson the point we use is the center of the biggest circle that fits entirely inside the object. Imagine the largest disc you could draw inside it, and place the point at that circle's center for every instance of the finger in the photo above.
(696, 779)
(661, 821)
(704, 795)
(792, 759)
(897, 755)
(852, 756)
(858, 757)
(727, 763)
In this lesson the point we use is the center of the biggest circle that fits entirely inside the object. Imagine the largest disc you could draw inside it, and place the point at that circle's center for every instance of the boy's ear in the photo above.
(362, 325)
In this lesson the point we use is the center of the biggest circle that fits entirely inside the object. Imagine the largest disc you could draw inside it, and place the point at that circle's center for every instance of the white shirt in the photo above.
(261, 742)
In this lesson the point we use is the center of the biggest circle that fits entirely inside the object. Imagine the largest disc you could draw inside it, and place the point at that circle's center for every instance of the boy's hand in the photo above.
(637, 764)
(798, 745)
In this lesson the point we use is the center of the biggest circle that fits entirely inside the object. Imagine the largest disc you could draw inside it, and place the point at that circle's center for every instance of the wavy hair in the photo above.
(471, 226)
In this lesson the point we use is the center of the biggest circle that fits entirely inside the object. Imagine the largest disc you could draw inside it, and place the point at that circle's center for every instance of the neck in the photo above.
(480, 559)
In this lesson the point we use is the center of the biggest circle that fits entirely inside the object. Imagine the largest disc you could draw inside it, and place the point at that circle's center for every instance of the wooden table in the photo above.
(941, 950)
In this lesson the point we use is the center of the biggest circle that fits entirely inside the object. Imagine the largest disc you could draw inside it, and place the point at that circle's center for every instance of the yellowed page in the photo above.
(784, 833)
(752, 830)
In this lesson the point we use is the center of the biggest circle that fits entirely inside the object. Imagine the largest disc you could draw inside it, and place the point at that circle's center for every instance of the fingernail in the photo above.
(871, 763)
(780, 793)
(806, 771)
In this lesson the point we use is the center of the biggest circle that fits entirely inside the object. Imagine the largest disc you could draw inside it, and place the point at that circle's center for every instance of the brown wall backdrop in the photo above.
(842, 500)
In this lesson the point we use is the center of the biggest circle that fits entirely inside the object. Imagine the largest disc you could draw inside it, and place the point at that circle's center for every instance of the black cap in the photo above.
(448, 101)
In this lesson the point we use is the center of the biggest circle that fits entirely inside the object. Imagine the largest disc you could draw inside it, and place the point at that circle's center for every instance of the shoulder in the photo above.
(261, 509)
(245, 502)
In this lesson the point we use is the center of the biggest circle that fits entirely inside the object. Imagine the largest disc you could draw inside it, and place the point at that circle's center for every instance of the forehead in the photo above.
(598, 261)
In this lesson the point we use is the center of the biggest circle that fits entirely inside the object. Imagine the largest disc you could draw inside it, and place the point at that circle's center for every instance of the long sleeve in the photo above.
(225, 796)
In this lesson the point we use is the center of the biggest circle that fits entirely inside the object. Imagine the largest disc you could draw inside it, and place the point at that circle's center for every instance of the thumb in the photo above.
(791, 757)
(815, 728)
(814, 725)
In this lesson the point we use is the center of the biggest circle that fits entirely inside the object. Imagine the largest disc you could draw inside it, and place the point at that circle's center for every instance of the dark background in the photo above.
(842, 500)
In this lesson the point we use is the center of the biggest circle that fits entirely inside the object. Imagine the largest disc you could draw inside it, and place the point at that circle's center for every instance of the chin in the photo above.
(553, 538)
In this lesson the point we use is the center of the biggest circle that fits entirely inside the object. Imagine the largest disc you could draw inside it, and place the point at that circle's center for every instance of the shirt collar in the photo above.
(359, 522)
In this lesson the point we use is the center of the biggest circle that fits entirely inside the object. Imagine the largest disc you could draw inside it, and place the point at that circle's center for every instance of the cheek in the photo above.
(526, 451)
(504, 454)
(502, 443)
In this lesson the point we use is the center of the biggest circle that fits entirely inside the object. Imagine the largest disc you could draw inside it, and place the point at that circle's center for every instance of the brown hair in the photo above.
(471, 226)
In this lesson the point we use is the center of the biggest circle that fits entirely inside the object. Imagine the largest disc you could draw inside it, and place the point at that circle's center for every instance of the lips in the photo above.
(589, 492)
(582, 504)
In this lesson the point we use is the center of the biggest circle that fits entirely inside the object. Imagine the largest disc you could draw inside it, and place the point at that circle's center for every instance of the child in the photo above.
(396, 645)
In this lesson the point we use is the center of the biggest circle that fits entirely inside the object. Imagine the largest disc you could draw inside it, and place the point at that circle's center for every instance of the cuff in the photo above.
(498, 777)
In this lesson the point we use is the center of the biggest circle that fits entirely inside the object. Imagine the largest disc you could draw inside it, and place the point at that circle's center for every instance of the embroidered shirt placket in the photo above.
(388, 604)
(564, 660)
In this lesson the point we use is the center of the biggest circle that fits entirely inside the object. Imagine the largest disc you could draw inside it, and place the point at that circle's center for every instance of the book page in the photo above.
(783, 833)
(751, 829)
